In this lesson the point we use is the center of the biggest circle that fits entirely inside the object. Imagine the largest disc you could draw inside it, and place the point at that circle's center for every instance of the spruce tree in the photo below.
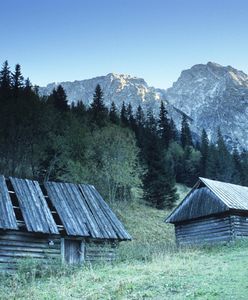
(124, 118)
(159, 180)
(130, 116)
(140, 117)
(5, 79)
(204, 148)
(238, 175)
(113, 115)
(174, 131)
(224, 163)
(60, 99)
(164, 126)
(17, 80)
(212, 161)
(186, 137)
(140, 129)
(98, 110)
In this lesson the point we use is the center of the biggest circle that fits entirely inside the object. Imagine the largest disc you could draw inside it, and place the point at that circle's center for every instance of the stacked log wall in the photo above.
(205, 230)
(100, 251)
(17, 245)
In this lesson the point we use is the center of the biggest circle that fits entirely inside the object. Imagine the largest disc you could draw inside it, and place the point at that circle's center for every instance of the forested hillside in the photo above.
(126, 154)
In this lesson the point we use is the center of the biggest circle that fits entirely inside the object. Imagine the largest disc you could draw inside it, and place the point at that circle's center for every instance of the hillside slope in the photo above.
(150, 267)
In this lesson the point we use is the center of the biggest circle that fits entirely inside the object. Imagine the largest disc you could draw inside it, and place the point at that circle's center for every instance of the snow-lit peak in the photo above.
(214, 96)
(210, 94)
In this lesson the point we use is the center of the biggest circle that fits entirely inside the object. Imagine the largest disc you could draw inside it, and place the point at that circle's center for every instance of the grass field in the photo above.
(149, 267)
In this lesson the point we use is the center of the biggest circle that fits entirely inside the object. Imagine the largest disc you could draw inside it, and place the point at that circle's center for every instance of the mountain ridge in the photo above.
(212, 95)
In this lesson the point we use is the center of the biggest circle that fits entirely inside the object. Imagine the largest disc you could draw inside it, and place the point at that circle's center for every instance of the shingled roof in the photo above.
(80, 208)
(209, 197)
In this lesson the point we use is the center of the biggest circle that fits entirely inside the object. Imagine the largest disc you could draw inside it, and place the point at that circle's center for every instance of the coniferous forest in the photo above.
(126, 154)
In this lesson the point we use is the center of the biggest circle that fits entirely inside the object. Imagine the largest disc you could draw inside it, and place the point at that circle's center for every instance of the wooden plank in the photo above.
(81, 215)
(94, 229)
(99, 216)
(7, 215)
(34, 208)
(65, 211)
(40, 245)
(109, 215)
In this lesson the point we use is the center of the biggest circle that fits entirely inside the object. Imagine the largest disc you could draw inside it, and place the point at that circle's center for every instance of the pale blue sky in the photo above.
(58, 40)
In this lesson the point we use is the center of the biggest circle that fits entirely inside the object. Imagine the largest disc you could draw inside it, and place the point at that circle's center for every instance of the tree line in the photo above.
(125, 154)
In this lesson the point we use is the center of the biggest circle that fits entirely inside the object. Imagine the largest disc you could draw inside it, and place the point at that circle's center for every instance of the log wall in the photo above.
(97, 252)
(207, 230)
(240, 226)
(16, 245)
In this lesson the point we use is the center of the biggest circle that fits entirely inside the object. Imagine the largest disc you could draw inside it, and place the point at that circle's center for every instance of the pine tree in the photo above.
(244, 162)
(212, 161)
(17, 80)
(5, 79)
(224, 162)
(238, 175)
(60, 99)
(140, 129)
(140, 117)
(174, 132)
(164, 126)
(159, 181)
(98, 110)
(204, 148)
(113, 115)
(124, 118)
(130, 116)
(186, 137)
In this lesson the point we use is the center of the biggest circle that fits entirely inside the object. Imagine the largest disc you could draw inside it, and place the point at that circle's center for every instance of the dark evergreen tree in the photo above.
(237, 175)
(98, 110)
(60, 99)
(212, 161)
(79, 111)
(244, 162)
(17, 80)
(159, 181)
(124, 117)
(164, 126)
(113, 115)
(130, 116)
(204, 148)
(140, 117)
(186, 137)
(224, 163)
(140, 129)
(174, 131)
(5, 80)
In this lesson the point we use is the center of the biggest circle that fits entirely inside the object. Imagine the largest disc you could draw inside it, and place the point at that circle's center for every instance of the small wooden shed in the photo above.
(67, 221)
(213, 211)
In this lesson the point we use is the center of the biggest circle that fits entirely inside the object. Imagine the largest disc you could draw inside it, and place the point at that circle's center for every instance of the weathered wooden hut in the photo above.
(67, 221)
(213, 211)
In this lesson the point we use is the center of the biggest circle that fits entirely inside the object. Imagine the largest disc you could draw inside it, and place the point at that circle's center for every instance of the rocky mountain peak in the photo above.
(210, 94)
(214, 96)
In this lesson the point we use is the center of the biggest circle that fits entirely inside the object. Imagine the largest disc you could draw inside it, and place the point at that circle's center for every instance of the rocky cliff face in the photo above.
(214, 96)
(116, 87)
(211, 95)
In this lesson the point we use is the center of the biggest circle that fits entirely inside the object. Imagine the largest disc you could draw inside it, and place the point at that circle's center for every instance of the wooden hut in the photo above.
(67, 221)
(213, 211)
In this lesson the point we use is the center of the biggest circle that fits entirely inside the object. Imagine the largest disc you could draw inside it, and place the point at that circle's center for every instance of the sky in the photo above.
(67, 40)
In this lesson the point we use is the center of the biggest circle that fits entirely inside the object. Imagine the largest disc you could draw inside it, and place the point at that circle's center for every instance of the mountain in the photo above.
(116, 87)
(209, 94)
(214, 96)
